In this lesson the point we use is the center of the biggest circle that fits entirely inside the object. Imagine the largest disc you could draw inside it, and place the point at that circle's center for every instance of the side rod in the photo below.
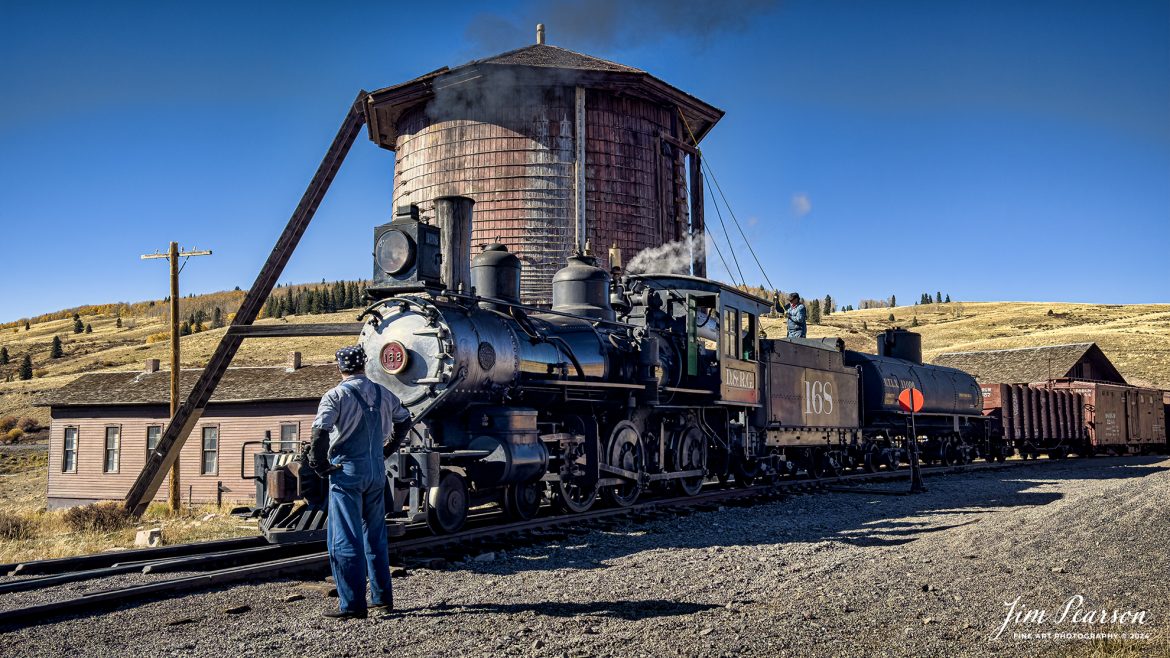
(187, 414)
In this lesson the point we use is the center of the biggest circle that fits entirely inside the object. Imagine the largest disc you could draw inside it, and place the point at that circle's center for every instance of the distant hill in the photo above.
(1136, 338)
(144, 334)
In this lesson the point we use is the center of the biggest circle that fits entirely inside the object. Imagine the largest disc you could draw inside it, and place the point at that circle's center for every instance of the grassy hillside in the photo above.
(1136, 338)
(112, 348)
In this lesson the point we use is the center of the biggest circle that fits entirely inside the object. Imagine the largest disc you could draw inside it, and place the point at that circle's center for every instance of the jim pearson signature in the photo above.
(1073, 613)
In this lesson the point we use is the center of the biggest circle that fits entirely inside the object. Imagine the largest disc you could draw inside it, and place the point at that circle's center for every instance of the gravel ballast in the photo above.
(836, 574)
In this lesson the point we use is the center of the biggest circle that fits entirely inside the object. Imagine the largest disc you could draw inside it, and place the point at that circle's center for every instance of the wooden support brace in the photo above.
(184, 418)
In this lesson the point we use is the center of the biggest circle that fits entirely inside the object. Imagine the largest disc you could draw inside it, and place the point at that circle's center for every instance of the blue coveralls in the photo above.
(797, 321)
(357, 503)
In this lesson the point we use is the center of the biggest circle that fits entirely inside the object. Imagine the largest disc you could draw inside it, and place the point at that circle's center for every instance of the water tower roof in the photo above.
(536, 64)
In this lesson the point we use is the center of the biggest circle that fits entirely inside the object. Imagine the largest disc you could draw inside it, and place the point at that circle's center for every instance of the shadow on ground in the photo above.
(876, 519)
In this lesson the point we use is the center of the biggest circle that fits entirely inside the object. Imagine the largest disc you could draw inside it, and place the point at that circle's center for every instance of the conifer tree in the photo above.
(914, 321)
(78, 327)
(814, 311)
(26, 372)
(26, 326)
(88, 328)
(893, 301)
(185, 328)
(938, 297)
(892, 318)
(217, 318)
(828, 305)
(55, 352)
(118, 322)
(948, 300)
(4, 356)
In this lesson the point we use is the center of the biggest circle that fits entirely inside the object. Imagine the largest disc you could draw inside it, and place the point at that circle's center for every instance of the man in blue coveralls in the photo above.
(349, 445)
(797, 317)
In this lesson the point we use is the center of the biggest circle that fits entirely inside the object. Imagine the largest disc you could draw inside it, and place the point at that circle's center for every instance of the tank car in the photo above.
(951, 426)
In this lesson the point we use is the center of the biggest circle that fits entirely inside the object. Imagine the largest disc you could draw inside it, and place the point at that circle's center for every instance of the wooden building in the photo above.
(103, 425)
(1029, 365)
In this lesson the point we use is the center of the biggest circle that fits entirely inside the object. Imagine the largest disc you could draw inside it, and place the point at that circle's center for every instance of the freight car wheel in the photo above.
(952, 454)
(447, 504)
(522, 501)
(573, 498)
(625, 452)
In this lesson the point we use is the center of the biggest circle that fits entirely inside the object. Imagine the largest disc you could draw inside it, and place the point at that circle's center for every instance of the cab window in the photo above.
(747, 336)
(731, 332)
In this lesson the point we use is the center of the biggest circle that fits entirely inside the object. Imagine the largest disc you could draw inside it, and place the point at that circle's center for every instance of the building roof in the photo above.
(388, 104)
(554, 57)
(254, 384)
(1027, 365)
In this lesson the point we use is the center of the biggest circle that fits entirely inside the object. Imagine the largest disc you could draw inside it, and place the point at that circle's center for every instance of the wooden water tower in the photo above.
(558, 150)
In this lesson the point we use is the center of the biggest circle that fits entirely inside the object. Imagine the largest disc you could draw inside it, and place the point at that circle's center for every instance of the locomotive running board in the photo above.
(187, 413)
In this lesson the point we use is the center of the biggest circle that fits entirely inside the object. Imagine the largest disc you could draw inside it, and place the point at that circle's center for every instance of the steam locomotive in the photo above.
(626, 384)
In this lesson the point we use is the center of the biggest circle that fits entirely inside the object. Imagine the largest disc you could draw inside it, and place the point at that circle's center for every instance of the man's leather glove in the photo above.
(397, 437)
(319, 453)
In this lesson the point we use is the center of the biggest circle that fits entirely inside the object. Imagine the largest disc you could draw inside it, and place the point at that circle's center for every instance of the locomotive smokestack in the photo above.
(453, 215)
(540, 34)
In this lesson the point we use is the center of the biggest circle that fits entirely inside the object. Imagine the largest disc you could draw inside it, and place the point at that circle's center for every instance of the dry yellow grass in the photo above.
(112, 348)
(22, 492)
(1136, 338)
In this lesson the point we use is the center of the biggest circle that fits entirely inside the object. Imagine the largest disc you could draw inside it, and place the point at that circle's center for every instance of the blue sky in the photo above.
(991, 150)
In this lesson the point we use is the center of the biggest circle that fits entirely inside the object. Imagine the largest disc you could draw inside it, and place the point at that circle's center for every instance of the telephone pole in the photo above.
(173, 255)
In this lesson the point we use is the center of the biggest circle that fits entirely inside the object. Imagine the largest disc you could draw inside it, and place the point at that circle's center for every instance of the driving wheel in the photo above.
(690, 454)
(625, 452)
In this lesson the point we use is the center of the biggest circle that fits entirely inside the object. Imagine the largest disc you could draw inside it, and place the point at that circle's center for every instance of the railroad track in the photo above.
(233, 561)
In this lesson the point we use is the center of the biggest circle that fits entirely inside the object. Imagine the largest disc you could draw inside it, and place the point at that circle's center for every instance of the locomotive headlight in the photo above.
(394, 252)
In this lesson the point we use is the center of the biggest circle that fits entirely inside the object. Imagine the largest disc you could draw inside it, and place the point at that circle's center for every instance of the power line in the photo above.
(727, 236)
(714, 242)
(707, 166)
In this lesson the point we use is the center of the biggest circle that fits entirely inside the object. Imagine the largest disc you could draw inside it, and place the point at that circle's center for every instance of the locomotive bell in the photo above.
(582, 288)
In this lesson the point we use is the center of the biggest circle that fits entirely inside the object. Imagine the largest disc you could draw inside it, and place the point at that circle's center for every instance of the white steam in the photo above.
(671, 258)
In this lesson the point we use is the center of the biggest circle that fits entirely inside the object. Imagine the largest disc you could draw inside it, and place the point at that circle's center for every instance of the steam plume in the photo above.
(604, 24)
(670, 258)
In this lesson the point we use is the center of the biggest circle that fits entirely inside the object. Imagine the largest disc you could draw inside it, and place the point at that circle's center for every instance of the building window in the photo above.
(289, 433)
(69, 455)
(153, 434)
(210, 463)
(113, 449)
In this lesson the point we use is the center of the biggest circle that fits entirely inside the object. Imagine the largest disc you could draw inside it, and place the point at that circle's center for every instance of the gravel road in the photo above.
(839, 574)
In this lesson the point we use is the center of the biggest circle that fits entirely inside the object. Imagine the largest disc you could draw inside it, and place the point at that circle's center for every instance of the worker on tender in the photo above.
(797, 317)
(350, 441)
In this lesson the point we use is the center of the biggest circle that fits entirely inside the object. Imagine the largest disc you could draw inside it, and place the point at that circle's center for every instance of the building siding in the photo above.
(238, 423)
